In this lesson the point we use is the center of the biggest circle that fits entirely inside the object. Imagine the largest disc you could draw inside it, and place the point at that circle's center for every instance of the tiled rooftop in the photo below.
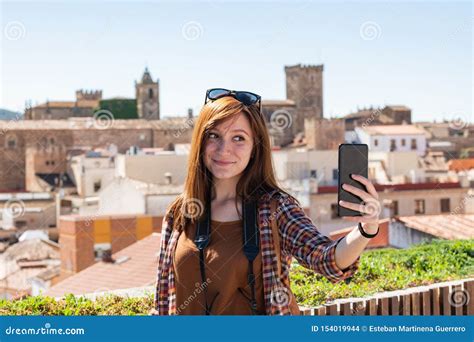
(138, 270)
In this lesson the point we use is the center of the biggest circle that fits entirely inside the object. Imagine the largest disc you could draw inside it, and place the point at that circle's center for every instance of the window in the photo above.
(334, 174)
(313, 173)
(393, 145)
(20, 224)
(413, 144)
(419, 206)
(445, 205)
(11, 142)
(403, 142)
(376, 142)
(334, 211)
(395, 208)
(97, 186)
(150, 93)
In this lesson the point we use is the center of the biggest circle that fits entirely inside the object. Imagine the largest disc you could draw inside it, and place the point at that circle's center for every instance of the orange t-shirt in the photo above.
(226, 268)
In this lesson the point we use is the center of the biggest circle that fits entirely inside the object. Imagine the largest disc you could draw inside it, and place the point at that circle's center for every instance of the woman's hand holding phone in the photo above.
(370, 209)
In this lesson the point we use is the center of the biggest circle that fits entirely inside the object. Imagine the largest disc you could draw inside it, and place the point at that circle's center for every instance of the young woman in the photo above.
(227, 241)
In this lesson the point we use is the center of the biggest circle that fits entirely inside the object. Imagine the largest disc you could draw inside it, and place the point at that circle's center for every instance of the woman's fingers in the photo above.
(368, 184)
(371, 207)
(354, 206)
(356, 191)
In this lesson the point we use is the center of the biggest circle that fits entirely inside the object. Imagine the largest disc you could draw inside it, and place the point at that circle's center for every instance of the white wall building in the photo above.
(393, 138)
(128, 196)
(92, 171)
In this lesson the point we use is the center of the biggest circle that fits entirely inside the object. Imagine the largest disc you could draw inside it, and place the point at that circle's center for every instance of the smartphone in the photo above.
(353, 159)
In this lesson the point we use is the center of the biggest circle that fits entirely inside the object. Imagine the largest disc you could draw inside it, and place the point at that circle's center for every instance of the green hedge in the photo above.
(120, 108)
(380, 270)
(390, 269)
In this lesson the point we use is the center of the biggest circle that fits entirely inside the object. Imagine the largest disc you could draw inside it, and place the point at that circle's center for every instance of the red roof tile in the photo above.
(448, 226)
(138, 271)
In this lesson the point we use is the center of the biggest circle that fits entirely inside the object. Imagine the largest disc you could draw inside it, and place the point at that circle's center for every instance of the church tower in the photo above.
(304, 85)
(148, 97)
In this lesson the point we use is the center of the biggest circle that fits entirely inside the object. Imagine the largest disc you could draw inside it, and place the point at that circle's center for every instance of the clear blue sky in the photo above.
(421, 55)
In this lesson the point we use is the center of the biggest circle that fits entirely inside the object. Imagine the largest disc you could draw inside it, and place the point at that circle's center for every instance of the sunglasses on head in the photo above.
(246, 97)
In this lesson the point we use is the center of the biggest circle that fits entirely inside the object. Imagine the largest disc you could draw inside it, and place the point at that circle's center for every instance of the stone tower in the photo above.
(148, 97)
(304, 85)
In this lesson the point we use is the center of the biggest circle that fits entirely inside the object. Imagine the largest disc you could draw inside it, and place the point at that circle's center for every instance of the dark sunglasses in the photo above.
(246, 97)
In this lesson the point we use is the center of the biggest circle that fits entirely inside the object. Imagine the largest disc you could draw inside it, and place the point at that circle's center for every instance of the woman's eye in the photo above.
(240, 137)
(212, 135)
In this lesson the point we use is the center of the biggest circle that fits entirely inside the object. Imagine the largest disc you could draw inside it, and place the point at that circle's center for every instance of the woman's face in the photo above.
(229, 147)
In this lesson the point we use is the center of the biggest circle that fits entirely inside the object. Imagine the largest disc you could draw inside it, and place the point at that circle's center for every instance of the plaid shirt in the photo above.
(299, 238)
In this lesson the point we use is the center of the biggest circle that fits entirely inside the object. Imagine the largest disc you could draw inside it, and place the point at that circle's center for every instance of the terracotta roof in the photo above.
(49, 273)
(25, 260)
(57, 104)
(450, 227)
(393, 130)
(77, 123)
(69, 104)
(137, 271)
(461, 164)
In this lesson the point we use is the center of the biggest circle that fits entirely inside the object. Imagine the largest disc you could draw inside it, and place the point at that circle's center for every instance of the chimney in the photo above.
(190, 113)
(76, 244)
(107, 256)
(169, 178)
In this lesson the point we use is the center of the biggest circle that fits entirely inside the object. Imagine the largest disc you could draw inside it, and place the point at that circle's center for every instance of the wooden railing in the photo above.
(447, 298)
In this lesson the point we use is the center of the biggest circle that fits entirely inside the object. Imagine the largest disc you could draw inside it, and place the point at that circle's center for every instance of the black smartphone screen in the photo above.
(353, 159)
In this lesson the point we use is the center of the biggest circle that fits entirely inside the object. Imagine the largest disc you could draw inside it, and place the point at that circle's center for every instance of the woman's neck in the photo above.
(225, 189)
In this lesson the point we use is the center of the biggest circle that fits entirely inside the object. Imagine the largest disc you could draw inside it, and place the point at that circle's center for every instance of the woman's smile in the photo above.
(223, 162)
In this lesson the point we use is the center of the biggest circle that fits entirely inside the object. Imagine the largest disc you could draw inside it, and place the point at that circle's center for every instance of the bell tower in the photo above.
(148, 97)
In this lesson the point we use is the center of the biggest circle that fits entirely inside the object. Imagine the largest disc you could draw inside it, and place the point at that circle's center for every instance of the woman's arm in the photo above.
(334, 259)
(301, 239)
(350, 248)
